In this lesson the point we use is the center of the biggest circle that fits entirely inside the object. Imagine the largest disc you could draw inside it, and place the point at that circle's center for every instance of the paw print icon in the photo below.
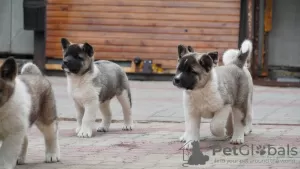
(197, 157)
(261, 150)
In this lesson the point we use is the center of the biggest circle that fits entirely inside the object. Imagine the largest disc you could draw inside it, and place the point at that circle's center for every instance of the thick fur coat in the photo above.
(25, 99)
(92, 85)
(215, 92)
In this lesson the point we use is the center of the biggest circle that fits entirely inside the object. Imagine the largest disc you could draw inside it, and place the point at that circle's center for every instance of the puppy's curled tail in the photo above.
(244, 53)
(30, 68)
(230, 55)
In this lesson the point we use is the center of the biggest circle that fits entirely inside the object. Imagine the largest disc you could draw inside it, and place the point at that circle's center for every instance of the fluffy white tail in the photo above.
(231, 55)
(30, 68)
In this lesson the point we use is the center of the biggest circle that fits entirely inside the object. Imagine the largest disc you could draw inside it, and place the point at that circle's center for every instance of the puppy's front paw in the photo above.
(21, 161)
(237, 140)
(127, 128)
(103, 128)
(189, 144)
(77, 129)
(247, 130)
(85, 132)
(183, 137)
(51, 158)
(128, 125)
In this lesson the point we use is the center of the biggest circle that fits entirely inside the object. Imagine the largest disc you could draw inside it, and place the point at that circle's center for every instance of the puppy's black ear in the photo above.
(214, 56)
(206, 62)
(88, 49)
(9, 69)
(182, 50)
(65, 43)
(190, 49)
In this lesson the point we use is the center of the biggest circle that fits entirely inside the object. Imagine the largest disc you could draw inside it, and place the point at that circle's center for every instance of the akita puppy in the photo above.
(214, 92)
(25, 99)
(92, 85)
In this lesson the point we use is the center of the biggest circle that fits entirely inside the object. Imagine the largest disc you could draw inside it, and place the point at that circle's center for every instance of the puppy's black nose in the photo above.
(65, 62)
(176, 81)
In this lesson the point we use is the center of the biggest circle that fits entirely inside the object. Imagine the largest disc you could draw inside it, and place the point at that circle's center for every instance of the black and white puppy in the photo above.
(92, 85)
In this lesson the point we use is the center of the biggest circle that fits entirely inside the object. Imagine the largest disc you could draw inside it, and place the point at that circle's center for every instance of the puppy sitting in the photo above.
(24, 100)
(213, 92)
(92, 85)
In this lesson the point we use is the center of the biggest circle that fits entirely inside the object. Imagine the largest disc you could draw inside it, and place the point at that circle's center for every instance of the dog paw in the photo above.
(103, 128)
(247, 130)
(51, 158)
(127, 127)
(21, 161)
(85, 132)
(182, 138)
(77, 130)
(189, 144)
(237, 140)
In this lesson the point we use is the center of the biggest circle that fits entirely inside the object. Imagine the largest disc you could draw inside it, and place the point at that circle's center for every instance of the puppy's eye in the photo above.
(194, 72)
(78, 57)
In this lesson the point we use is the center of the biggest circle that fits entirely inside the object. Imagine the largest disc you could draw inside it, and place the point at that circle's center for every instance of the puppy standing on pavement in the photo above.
(214, 92)
(24, 100)
(228, 58)
(92, 85)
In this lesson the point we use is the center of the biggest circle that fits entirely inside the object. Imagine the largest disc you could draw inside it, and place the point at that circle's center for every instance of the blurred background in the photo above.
(142, 35)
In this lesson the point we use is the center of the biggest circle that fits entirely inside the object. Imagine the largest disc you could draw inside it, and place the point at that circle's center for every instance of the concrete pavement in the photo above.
(161, 101)
(156, 146)
(153, 144)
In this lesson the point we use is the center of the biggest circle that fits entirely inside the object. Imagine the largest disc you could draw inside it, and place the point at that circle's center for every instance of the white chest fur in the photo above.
(14, 114)
(205, 101)
(82, 89)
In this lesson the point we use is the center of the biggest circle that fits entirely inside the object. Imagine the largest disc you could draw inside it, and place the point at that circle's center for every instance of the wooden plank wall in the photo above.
(150, 29)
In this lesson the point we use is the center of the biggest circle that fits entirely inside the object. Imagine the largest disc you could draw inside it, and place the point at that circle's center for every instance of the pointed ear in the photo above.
(65, 43)
(214, 56)
(182, 50)
(206, 62)
(88, 49)
(190, 49)
(9, 69)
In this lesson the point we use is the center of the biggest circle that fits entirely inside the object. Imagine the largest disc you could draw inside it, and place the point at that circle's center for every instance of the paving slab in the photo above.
(155, 145)
(161, 101)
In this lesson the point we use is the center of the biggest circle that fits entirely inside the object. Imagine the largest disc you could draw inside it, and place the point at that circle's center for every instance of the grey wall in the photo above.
(284, 38)
(14, 39)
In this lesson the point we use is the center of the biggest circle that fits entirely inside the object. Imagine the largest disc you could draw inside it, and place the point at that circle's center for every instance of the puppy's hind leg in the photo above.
(238, 127)
(248, 120)
(125, 101)
(106, 116)
(10, 149)
(50, 132)
(219, 122)
(22, 156)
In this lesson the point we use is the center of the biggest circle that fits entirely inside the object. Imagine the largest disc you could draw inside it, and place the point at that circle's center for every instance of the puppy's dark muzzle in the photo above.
(64, 65)
(176, 82)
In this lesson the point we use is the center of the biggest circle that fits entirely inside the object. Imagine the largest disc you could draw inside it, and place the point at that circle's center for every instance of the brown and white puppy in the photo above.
(214, 92)
(228, 57)
(25, 99)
